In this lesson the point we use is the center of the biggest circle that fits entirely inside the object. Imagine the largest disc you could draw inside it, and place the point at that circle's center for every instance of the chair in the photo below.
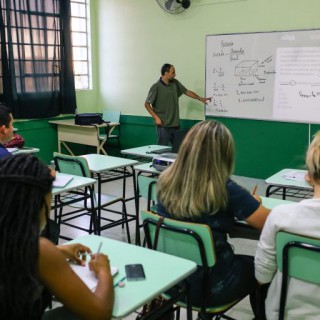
(147, 190)
(192, 241)
(111, 132)
(297, 257)
(77, 165)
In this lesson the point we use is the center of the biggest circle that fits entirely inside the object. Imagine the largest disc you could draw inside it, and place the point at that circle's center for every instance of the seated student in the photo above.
(301, 218)
(32, 268)
(197, 187)
(6, 129)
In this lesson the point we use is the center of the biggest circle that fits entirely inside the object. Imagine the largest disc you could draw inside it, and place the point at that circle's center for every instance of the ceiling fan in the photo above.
(174, 6)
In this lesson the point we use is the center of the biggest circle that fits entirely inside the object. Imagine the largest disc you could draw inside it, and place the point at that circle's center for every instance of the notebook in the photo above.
(61, 181)
(87, 276)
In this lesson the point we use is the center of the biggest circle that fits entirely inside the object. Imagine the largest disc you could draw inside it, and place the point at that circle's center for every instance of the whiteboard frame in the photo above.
(256, 117)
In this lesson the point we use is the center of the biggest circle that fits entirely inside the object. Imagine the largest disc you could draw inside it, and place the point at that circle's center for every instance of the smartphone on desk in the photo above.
(135, 272)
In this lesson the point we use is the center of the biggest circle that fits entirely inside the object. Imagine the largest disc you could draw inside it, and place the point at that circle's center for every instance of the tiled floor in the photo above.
(242, 311)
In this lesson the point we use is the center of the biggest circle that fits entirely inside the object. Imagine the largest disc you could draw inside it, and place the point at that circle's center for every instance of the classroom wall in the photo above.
(132, 39)
(136, 37)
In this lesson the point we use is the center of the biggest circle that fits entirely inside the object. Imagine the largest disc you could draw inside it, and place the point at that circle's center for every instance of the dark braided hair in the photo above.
(24, 182)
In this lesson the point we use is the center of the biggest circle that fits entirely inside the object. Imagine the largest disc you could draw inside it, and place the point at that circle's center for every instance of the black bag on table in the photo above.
(87, 119)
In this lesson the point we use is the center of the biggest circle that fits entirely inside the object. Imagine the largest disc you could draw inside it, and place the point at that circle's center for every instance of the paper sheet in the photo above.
(87, 276)
(294, 175)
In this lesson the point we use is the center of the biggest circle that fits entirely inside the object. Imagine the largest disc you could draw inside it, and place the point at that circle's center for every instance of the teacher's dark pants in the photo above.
(166, 135)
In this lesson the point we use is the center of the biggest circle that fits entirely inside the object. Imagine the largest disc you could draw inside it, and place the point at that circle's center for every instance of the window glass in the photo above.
(80, 27)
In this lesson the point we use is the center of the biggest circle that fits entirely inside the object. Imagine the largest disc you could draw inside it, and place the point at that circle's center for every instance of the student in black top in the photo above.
(32, 268)
(197, 187)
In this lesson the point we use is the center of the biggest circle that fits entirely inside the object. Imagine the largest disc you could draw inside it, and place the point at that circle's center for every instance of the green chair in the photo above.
(112, 116)
(297, 257)
(78, 166)
(147, 190)
(192, 241)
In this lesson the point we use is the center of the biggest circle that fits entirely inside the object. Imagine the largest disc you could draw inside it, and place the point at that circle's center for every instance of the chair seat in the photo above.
(106, 199)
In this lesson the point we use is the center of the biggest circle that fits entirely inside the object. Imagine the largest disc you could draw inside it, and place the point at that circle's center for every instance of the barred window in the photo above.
(81, 43)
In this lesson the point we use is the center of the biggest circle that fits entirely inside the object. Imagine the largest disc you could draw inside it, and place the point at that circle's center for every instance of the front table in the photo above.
(68, 131)
(162, 272)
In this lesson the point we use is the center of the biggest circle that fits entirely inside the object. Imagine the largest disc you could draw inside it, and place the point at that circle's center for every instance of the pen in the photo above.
(254, 190)
(99, 248)
(90, 254)
(117, 283)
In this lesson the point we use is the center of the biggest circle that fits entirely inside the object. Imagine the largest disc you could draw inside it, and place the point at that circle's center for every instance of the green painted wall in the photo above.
(137, 37)
(132, 39)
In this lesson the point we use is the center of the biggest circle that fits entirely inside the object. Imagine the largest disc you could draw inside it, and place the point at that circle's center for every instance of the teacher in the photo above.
(163, 103)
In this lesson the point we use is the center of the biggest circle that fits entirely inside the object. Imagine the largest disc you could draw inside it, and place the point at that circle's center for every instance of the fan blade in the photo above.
(169, 4)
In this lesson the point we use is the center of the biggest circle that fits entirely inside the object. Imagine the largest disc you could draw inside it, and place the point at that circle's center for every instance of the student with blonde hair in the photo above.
(302, 218)
(198, 188)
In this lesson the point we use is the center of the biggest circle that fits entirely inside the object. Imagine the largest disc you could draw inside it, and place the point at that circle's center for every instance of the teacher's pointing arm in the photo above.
(193, 95)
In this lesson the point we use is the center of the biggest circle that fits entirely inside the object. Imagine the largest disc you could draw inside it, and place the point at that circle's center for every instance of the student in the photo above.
(163, 103)
(197, 188)
(6, 129)
(301, 218)
(32, 268)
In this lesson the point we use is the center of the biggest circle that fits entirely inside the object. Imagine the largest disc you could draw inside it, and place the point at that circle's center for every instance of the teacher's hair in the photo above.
(195, 183)
(313, 158)
(24, 182)
(165, 68)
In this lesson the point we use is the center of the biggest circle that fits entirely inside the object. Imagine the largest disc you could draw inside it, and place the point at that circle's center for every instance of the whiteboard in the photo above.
(266, 75)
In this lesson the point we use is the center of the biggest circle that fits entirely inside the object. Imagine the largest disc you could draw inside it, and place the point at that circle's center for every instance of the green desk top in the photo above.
(75, 183)
(145, 151)
(280, 179)
(98, 162)
(162, 271)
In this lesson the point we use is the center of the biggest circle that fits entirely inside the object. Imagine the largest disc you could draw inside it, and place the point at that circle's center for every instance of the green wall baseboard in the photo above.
(281, 145)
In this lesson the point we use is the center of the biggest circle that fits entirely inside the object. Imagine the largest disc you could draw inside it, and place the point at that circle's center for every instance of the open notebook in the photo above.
(87, 276)
(61, 181)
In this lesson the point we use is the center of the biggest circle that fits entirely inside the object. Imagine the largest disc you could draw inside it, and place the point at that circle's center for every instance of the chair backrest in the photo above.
(192, 241)
(74, 165)
(297, 257)
(112, 116)
(301, 254)
(147, 189)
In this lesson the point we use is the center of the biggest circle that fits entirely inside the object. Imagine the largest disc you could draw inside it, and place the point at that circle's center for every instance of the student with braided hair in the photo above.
(32, 268)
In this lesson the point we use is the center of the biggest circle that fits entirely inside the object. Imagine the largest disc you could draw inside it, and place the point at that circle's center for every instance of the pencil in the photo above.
(117, 283)
(254, 190)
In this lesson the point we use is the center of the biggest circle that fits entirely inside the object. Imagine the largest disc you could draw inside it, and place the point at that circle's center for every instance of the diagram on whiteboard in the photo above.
(246, 68)
(268, 76)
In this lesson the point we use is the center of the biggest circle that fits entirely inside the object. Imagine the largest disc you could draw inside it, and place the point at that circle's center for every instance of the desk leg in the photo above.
(66, 146)
(99, 205)
(137, 200)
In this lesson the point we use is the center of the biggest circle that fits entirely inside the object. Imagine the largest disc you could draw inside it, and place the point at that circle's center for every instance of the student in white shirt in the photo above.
(301, 218)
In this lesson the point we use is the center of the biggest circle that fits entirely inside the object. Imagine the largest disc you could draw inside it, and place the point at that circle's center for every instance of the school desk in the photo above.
(289, 183)
(162, 271)
(68, 132)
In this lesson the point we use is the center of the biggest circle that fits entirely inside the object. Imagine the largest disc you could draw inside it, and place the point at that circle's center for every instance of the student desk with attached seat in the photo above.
(68, 131)
(162, 271)
(289, 183)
